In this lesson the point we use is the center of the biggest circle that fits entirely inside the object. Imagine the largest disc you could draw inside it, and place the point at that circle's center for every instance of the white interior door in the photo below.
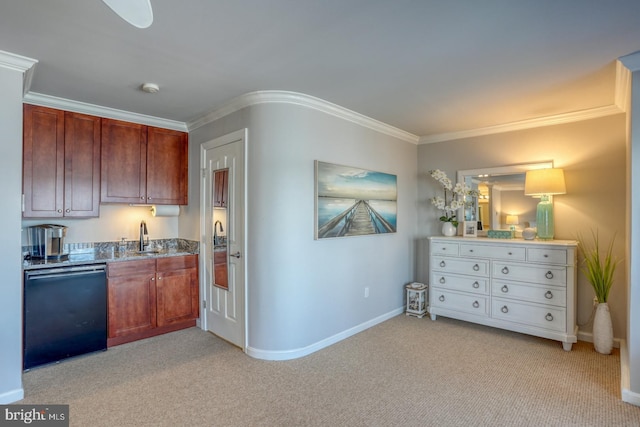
(222, 246)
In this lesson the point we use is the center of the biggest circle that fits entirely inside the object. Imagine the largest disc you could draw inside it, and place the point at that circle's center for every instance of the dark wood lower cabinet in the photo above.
(151, 297)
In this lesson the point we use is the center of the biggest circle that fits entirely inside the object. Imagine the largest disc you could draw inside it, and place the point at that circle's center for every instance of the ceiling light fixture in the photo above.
(150, 88)
(137, 13)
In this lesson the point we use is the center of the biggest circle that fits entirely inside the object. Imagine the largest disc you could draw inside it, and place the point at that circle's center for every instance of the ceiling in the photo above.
(426, 67)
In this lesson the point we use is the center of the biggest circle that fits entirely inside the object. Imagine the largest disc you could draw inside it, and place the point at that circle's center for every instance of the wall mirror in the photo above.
(500, 192)
(220, 218)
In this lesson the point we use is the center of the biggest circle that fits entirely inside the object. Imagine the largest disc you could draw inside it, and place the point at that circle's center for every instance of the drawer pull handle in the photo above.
(549, 317)
(504, 289)
(476, 285)
(504, 309)
(549, 275)
(548, 295)
(505, 270)
(476, 267)
(443, 264)
(441, 298)
(476, 304)
(442, 280)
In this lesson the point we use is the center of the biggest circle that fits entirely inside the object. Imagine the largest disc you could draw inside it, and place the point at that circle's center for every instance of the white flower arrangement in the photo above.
(454, 196)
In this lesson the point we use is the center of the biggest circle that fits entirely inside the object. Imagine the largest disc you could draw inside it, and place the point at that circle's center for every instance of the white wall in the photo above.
(10, 261)
(631, 375)
(302, 292)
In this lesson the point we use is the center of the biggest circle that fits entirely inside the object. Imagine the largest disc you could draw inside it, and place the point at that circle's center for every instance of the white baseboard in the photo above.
(11, 396)
(588, 337)
(305, 351)
(628, 396)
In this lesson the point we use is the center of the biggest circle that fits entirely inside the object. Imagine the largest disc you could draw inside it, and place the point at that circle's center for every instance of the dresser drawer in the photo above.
(544, 275)
(550, 256)
(496, 252)
(540, 294)
(444, 248)
(450, 300)
(478, 267)
(472, 284)
(540, 316)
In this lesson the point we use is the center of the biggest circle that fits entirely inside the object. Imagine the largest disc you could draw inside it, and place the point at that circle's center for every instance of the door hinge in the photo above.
(204, 304)
(204, 173)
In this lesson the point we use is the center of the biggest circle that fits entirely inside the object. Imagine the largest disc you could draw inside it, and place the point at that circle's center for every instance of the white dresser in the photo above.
(526, 286)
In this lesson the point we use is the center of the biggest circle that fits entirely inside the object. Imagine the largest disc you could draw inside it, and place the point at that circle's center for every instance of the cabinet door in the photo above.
(81, 165)
(167, 164)
(132, 297)
(43, 162)
(177, 289)
(123, 162)
(220, 189)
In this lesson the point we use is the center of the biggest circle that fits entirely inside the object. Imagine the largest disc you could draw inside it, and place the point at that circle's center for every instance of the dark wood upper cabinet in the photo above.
(61, 160)
(124, 162)
(143, 164)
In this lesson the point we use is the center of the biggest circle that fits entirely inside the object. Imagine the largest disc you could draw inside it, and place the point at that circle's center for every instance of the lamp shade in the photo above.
(512, 220)
(544, 181)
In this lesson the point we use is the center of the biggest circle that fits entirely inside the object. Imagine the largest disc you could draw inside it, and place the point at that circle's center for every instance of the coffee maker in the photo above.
(46, 241)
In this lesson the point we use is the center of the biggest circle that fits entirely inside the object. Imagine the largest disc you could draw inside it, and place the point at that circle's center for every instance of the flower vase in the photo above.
(603, 329)
(448, 229)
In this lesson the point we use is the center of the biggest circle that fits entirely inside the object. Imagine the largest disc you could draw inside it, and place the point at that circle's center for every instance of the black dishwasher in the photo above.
(65, 313)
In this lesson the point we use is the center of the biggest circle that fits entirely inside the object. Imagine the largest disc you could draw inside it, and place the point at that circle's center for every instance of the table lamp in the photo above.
(544, 183)
(512, 221)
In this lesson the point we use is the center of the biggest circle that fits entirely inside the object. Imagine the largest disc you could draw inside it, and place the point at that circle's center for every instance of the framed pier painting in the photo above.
(352, 201)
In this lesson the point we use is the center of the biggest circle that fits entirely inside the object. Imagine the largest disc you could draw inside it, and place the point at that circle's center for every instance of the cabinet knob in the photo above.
(442, 280)
(441, 298)
(549, 317)
(504, 309)
(548, 295)
(505, 270)
(470, 250)
(476, 285)
(505, 289)
(476, 267)
(444, 249)
(476, 304)
(67, 210)
(59, 210)
(443, 264)
(141, 197)
(148, 198)
(549, 275)
(510, 253)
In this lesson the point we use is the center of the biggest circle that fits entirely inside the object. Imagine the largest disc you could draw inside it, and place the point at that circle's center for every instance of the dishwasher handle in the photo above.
(67, 271)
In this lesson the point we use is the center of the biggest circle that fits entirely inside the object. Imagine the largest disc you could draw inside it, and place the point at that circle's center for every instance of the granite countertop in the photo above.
(104, 253)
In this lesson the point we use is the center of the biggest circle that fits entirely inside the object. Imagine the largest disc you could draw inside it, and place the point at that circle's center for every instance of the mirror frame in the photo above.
(501, 170)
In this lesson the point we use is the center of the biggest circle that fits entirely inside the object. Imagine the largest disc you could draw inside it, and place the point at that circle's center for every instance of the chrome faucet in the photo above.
(144, 235)
(215, 231)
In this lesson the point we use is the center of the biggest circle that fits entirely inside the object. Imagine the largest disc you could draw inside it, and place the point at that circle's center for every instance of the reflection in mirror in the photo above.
(500, 193)
(220, 225)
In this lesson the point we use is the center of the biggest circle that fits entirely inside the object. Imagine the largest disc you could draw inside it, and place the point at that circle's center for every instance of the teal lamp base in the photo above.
(544, 219)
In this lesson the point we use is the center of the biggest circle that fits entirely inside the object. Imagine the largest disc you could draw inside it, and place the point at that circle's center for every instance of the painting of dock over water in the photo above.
(354, 202)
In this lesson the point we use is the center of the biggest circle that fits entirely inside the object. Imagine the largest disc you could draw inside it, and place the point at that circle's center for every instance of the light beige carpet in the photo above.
(403, 372)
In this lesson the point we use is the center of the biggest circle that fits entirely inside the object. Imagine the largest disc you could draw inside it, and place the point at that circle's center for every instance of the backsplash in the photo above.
(182, 245)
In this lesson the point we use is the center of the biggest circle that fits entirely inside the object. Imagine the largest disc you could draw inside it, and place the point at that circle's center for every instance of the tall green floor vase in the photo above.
(603, 329)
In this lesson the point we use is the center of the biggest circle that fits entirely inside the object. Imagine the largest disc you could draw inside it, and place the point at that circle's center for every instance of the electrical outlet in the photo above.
(366, 292)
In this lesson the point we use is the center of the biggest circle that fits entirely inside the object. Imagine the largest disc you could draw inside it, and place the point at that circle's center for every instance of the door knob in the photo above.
(236, 255)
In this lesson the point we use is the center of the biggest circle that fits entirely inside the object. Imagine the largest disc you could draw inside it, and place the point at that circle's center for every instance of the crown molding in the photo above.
(294, 98)
(631, 61)
(19, 63)
(558, 119)
(96, 110)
